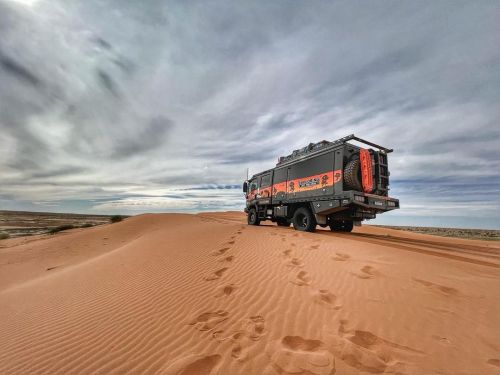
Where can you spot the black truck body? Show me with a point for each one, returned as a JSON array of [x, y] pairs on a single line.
[[335, 184]]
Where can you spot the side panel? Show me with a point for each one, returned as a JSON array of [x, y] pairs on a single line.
[[312, 178]]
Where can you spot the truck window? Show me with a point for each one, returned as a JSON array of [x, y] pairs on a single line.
[[265, 180], [311, 167], [253, 185]]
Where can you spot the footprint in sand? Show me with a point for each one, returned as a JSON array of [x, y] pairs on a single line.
[[442, 340], [367, 272], [216, 275], [254, 327], [445, 290], [228, 258], [194, 364], [367, 352], [287, 253], [209, 320], [241, 340], [493, 362], [220, 251], [231, 242], [297, 355], [294, 262], [302, 278], [225, 290], [341, 257], [314, 247], [326, 298]]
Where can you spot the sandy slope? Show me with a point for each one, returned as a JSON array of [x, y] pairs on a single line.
[[190, 294]]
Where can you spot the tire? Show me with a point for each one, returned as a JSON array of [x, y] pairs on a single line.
[[304, 220], [352, 175], [342, 226], [253, 218], [282, 223]]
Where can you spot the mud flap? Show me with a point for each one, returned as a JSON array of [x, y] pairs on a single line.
[[321, 219]]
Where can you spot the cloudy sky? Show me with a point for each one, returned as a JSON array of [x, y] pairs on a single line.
[[127, 106]]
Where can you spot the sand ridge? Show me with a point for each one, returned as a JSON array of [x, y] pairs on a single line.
[[207, 294]]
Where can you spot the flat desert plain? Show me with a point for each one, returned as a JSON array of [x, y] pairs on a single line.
[[207, 294]]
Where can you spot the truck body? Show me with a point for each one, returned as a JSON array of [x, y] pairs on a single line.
[[335, 184]]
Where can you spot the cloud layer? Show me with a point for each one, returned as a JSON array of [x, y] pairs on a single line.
[[123, 106]]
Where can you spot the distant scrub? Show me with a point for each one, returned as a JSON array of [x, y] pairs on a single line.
[[60, 228], [116, 218], [87, 225], [4, 236]]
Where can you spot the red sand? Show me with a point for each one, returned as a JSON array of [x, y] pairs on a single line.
[[207, 294]]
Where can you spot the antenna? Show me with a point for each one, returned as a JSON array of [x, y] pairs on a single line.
[[247, 173]]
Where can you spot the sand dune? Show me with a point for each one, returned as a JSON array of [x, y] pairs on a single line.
[[207, 294]]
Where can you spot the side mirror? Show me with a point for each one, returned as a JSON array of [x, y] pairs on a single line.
[[245, 186]]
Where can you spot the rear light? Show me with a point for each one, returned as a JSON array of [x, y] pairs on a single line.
[[345, 201], [391, 204], [359, 198]]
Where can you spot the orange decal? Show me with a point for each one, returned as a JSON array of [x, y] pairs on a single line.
[[337, 176]]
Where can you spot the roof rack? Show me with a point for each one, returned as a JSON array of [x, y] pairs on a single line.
[[313, 147]]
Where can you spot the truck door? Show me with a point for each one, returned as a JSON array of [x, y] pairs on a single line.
[[252, 191], [264, 194]]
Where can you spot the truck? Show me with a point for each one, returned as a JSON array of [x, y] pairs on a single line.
[[331, 184]]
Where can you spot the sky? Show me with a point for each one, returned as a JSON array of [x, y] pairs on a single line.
[[126, 107]]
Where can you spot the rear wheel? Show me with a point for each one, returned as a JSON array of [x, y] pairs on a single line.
[[253, 218], [342, 226], [304, 220]]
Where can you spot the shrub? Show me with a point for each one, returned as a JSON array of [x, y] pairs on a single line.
[[87, 225], [60, 228], [4, 236], [116, 218]]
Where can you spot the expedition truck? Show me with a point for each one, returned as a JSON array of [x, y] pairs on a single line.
[[335, 184]]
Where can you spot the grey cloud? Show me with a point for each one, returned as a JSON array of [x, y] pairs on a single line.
[[107, 82], [151, 136], [182, 94], [19, 71]]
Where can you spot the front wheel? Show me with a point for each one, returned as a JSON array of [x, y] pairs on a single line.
[[304, 220], [253, 218], [342, 226]]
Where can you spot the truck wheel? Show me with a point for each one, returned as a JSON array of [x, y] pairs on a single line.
[[304, 220], [283, 223], [253, 218], [342, 226], [352, 175]]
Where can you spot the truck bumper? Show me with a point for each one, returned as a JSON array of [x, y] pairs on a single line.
[[376, 202], [369, 203]]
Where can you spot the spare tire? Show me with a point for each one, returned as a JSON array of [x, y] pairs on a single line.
[[352, 175]]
